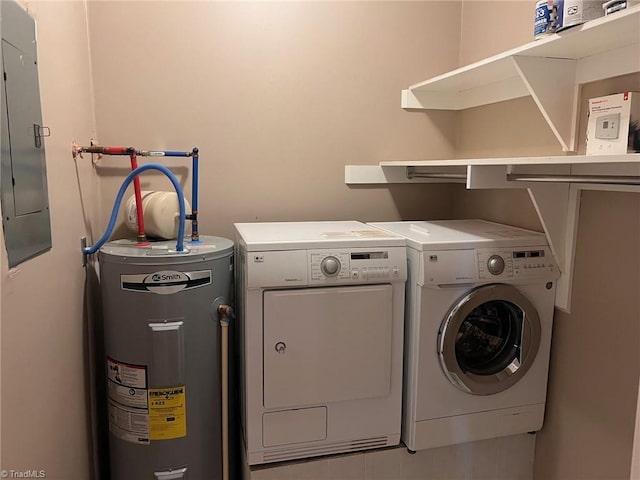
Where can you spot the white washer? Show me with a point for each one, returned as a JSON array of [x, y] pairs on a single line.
[[320, 325], [480, 302]]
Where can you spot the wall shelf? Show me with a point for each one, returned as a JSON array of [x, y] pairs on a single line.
[[557, 203], [550, 70], [492, 172]]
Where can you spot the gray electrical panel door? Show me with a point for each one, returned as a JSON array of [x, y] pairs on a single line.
[[23, 178]]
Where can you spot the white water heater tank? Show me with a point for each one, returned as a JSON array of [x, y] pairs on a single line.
[[160, 211]]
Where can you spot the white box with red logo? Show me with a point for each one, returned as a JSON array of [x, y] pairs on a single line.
[[614, 124]]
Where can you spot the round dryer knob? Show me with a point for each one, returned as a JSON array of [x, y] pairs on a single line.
[[330, 266], [495, 264]]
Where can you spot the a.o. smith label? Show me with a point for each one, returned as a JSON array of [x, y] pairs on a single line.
[[165, 282]]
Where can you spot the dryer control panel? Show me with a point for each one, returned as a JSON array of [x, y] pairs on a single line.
[[350, 266], [372, 265]]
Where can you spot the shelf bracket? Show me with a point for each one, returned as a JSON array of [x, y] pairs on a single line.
[[558, 207], [552, 85]]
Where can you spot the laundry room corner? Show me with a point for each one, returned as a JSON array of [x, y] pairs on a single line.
[[585, 382], [591, 401], [45, 413]]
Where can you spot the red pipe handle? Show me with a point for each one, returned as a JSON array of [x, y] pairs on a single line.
[[142, 238], [116, 150]]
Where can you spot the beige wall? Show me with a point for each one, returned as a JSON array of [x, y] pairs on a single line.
[[504, 129], [490, 27], [590, 436], [593, 380], [279, 97], [44, 415]]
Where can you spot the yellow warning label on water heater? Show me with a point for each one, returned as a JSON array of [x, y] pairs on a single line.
[[167, 413]]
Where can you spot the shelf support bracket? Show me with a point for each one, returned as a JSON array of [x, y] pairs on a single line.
[[558, 207], [552, 85]]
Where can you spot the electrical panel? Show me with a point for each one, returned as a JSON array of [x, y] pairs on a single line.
[[23, 177]]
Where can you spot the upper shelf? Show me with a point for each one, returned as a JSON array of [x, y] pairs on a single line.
[[549, 70]]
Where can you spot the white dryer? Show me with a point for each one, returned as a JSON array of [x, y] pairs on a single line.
[[480, 303], [320, 322]]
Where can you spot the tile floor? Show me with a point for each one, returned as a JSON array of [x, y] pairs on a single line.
[[506, 458]]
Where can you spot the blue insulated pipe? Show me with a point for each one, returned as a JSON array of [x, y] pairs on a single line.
[[116, 206], [195, 236], [162, 153]]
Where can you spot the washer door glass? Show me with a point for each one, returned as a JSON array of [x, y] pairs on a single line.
[[489, 339]]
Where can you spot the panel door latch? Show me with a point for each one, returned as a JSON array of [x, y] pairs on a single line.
[[38, 133]]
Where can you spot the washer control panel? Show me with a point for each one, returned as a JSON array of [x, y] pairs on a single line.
[[535, 261], [375, 265], [528, 261], [494, 263]]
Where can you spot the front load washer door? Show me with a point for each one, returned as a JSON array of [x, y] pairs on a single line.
[[489, 339]]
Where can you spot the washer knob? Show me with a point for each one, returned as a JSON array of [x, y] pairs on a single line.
[[330, 266], [495, 264]]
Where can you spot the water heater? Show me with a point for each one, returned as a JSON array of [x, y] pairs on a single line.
[[162, 345]]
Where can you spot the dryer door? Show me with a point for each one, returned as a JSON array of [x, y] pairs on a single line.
[[324, 345], [489, 339]]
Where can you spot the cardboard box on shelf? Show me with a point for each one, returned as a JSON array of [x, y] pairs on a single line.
[[614, 124]]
